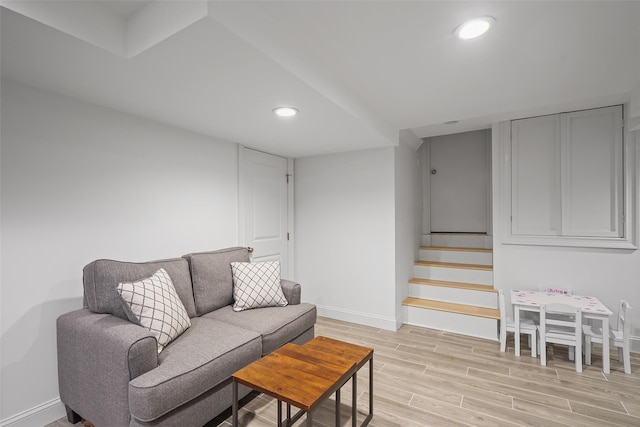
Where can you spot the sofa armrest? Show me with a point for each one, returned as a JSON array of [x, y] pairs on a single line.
[[98, 354], [291, 291]]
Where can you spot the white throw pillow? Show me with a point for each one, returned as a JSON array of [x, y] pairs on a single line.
[[154, 304], [257, 284]]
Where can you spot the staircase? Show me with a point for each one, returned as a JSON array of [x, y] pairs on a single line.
[[452, 289]]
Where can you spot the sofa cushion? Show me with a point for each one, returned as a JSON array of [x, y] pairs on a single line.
[[101, 278], [154, 304], [206, 354], [257, 284], [212, 278], [277, 325]]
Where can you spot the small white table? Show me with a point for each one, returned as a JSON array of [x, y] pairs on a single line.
[[591, 308]]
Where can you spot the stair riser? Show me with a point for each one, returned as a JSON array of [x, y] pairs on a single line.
[[459, 296], [479, 277], [484, 258], [461, 240], [452, 322]]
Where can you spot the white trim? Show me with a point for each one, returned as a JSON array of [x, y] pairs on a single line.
[[633, 189], [489, 148], [241, 220], [401, 319], [388, 323], [40, 415], [426, 186], [290, 219], [502, 133]]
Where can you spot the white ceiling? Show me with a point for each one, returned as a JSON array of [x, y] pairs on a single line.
[[358, 71]]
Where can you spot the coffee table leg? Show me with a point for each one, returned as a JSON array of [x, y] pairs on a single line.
[[309, 419], [354, 399], [337, 407], [279, 413], [370, 390], [234, 404]]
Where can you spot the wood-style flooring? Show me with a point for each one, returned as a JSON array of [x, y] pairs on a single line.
[[425, 377]]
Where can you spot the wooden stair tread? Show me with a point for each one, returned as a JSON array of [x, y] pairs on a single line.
[[454, 265], [471, 310], [454, 248], [457, 285]]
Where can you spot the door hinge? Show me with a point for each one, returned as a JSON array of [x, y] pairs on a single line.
[[288, 175], [287, 236]]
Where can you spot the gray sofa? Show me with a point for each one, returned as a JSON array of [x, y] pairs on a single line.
[[110, 372]]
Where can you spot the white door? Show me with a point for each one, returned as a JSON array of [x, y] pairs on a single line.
[[264, 206], [459, 182]]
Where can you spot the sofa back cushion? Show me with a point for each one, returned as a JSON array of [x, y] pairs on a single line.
[[101, 279], [212, 277]]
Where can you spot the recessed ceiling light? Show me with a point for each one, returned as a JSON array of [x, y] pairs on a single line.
[[475, 27], [285, 111]]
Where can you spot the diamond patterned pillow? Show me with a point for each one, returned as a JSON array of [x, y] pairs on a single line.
[[154, 304], [257, 284]]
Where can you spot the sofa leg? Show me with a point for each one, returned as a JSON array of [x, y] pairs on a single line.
[[72, 417]]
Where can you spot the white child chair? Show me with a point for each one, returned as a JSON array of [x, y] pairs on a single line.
[[619, 337], [556, 291], [527, 326], [564, 326]]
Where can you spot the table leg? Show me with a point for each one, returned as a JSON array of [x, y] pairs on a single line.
[[371, 387], [279, 413], [309, 420], [516, 334], [605, 344], [234, 404], [337, 407], [354, 400], [370, 415]]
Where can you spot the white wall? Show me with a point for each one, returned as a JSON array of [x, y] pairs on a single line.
[[408, 215], [608, 274], [345, 235], [81, 182]]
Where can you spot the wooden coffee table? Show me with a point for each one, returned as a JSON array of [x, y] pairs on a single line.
[[305, 375]]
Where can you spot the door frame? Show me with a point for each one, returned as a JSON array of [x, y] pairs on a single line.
[[290, 273], [425, 160]]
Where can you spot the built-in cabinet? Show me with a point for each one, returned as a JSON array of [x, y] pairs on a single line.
[[566, 179]]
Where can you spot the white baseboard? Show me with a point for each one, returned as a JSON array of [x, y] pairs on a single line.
[[40, 415], [388, 323]]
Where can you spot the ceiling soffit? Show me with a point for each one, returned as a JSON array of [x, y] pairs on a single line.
[[107, 25]]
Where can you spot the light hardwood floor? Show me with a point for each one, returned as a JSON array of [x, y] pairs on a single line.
[[425, 377]]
